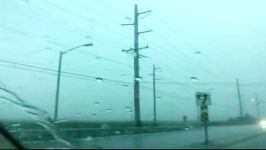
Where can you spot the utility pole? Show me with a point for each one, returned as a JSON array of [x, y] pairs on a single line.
[[136, 63], [154, 96], [239, 99], [58, 86]]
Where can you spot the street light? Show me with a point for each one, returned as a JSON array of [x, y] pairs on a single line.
[[59, 76]]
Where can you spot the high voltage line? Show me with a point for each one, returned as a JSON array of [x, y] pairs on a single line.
[[64, 72], [64, 24], [50, 71], [115, 44]]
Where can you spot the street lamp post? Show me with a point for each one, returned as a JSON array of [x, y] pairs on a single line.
[[59, 77]]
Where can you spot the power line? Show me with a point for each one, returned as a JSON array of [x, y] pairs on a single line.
[[54, 43], [77, 15], [109, 7], [180, 52], [190, 83], [66, 73], [85, 77], [160, 36], [76, 28], [106, 59], [175, 33], [231, 84], [62, 45], [49, 71], [30, 36], [157, 34], [158, 46]]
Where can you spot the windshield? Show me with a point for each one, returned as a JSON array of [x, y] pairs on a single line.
[[133, 74]]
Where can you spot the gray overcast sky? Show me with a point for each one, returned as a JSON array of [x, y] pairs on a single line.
[[228, 33]]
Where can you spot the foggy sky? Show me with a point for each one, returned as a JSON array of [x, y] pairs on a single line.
[[229, 34]]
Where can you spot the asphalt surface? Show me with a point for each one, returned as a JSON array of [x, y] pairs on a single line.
[[220, 137], [258, 142], [245, 136]]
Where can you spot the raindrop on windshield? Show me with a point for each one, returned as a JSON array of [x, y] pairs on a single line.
[[194, 79], [109, 110], [128, 18], [211, 89], [99, 80], [138, 78], [127, 108], [98, 57], [79, 114], [40, 117], [48, 48], [252, 99], [27, 1], [60, 121], [197, 52], [88, 37], [89, 138], [15, 125], [96, 103], [46, 36], [32, 113]]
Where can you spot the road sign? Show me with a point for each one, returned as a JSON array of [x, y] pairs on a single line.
[[203, 98], [205, 118], [204, 113]]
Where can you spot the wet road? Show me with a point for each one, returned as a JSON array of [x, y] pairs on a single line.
[[180, 139], [251, 136], [258, 142]]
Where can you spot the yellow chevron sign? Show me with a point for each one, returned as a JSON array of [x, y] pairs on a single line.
[[204, 113], [204, 117]]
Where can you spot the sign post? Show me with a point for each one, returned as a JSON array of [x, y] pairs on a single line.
[[204, 119], [203, 100], [206, 132]]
